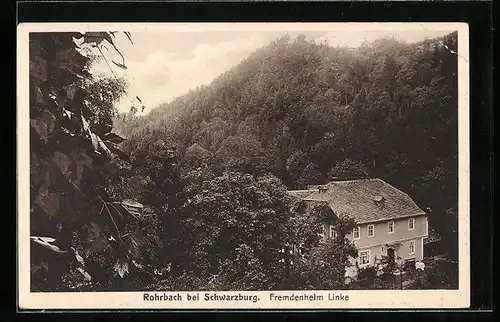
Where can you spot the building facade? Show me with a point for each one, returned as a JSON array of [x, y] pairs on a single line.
[[389, 223]]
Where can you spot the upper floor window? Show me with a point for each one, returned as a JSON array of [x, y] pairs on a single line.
[[411, 223], [364, 257], [390, 227], [426, 226], [333, 232], [371, 230], [412, 247], [355, 233]]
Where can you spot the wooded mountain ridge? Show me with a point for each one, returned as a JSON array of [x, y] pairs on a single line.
[[309, 113]]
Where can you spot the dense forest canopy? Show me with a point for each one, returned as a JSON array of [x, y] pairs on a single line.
[[309, 112]]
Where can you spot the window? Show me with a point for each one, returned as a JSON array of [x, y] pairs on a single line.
[[355, 233], [333, 233], [364, 257], [411, 223], [390, 227], [426, 226], [412, 247], [371, 230]]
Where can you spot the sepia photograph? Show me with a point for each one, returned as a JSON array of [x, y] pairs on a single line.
[[232, 165]]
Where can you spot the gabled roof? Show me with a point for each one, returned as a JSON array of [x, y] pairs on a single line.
[[300, 194], [366, 200]]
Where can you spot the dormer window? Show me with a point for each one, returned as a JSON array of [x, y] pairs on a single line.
[[379, 200]]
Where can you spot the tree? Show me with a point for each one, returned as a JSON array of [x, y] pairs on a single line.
[[240, 154], [232, 228], [296, 164], [310, 175], [322, 265], [348, 169], [196, 155], [80, 236], [101, 95]]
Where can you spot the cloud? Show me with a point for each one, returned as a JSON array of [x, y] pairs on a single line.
[[356, 38], [162, 76], [162, 67]]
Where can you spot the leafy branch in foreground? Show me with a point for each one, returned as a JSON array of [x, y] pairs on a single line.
[[76, 227]]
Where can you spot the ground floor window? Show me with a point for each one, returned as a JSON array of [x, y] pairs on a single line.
[[364, 257], [412, 247], [333, 232]]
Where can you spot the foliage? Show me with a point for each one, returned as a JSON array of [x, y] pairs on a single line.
[[323, 267], [322, 262], [438, 274], [366, 276], [348, 170], [231, 227], [310, 175], [81, 236], [296, 164]]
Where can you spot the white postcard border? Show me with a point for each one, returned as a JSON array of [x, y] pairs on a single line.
[[373, 299]]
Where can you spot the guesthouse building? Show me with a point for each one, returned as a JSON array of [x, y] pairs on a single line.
[[388, 222]]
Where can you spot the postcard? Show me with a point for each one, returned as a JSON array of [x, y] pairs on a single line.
[[243, 166]]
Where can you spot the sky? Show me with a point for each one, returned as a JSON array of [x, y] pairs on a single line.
[[162, 65]]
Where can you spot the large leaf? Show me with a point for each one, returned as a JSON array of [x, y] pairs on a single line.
[[39, 96], [85, 125], [78, 257], [116, 150], [136, 242], [132, 207], [95, 142], [113, 137], [46, 243], [40, 128], [44, 125], [86, 275], [81, 160], [49, 203], [97, 239], [71, 91], [95, 37], [132, 203], [103, 146], [35, 268], [38, 68], [63, 162], [121, 267]]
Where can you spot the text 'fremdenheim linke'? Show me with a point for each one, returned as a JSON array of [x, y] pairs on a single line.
[[207, 297]]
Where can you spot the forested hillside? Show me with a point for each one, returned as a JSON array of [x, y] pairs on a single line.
[[309, 112]]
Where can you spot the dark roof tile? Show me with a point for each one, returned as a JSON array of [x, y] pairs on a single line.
[[366, 200]]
